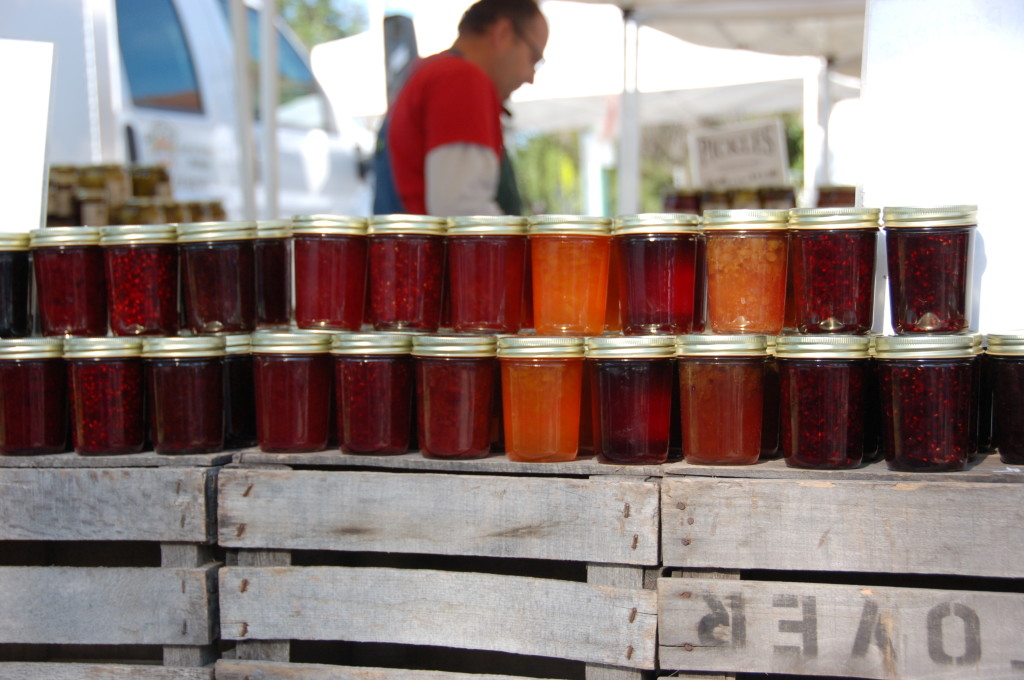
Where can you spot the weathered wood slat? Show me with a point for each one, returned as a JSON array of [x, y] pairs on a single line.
[[592, 520], [122, 606], [541, 617], [126, 504], [266, 670], [840, 630], [147, 459], [83, 671], [946, 527]]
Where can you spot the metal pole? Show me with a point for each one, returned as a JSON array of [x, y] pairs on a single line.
[[629, 121], [268, 108], [243, 117]]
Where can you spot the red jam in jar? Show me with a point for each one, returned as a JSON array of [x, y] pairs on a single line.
[[14, 285], [832, 269], [373, 374], [1005, 364], [272, 264], [406, 260], [330, 271], [106, 382], [929, 253], [292, 372], [656, 258], [823, 385], [486, 264], [142, 278], [455, 388], [239, 392], [218, 272], [70, 283], [33, 396], [185, 388]]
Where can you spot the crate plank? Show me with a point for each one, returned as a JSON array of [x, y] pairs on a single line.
[[122, 606], [74, 671], [592, 520], [520, 615], [266, 670], [127, 504], [893, 527], [146, 459], [839, 630]]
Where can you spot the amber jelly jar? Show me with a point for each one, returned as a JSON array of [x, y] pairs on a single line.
[[1005, 363], [292, 372], [272, 265], [330, 271], [486, 265], [106, 382], [141, 263], [406, 272], [70, 284], [185, 388], [373, 374], [929, 253], [832, 268], [455, 389], [33, 396], [218, 276], [925, 383], [239, 392], [14, 285]]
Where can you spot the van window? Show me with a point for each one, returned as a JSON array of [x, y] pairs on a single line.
[[156, 56]]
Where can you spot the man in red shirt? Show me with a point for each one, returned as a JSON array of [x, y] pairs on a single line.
[[440, 150]]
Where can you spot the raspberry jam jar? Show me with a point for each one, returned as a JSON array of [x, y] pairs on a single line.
[[239, 392], [925, 383], [823, 393], [330, 271], [746, 270], [1005, 364], [721, 397], [373, 381], [70, 283], [656, 262], [929, 253], [185, 391], [107, 387], [14, 285], [455, 390], [832, 268], [292, 372], [541, 382], [486, 265], [33, 396], [141, 263], [272, 265], [218, 276], [570, 258], [632, 397], [406, 260]]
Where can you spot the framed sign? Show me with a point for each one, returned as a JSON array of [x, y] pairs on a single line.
[[748, 155]]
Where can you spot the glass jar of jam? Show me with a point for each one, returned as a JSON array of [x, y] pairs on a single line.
[[721, 397], [541, 382], [929, 253], [570, 257], [486, 264], [823, 382], [632, 397], [832, 268], [14, 280], [330, 271], [746, 270], [272, 265], [656, 257], [185, 392], [106, 383], [455, 389], [1005, 363], [239, 392], [292, 372], [33, 396], [142, 278], [925, 386], [218, 273], [373, 380], [771, 413], [70, 284], [406, 261]]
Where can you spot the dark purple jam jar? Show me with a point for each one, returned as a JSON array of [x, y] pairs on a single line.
[[141, 263], [70, 282], [107, 387], [218, 273], [406, 260], [1005, 363], [14, 285], [273, 270], [330, 271], [33, 396], [239, 392]]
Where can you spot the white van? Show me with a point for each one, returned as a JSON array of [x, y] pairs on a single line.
[[151, 82]]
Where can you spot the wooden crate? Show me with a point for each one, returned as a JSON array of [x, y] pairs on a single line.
[[429, 557], [108, 562], [863, 573]]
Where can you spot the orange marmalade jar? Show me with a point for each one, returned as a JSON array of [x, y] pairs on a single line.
[[746, 270], [570, 256]]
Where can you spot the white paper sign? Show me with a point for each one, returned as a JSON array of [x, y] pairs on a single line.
[[25, 81], [748, 155]]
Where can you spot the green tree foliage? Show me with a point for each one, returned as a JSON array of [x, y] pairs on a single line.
[[318, 21], [547, 168]]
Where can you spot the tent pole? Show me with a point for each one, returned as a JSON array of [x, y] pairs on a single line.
[[629, 121], [268, 108], [815, 113], [243, 102]]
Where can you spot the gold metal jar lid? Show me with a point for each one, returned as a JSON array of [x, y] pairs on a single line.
[[656, 223], [1006, 344], [64, 236], [182, 347], [290, 342], [631, 347], [427, 225], [487, 225], [937, 216], [273, 228], [236, 343], [329, 224], [696, 345], [540, 347], [12, 241], [120, 347], [371, 343], [834, 218], [31, 348], [822, 346], [138, 234], [202, 232], [571, 225], [454, 345], [746, 220], [924, 346]]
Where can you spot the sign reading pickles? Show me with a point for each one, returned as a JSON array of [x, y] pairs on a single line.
[[748, 155]]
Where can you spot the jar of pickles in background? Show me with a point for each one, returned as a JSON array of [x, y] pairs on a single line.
[[406, 260], [14, 285], [141, 264], [1005, 363], [106, 384], [273, 269], [486, 265], [33, 396], [330, 271], [218, 271], [70, 284]]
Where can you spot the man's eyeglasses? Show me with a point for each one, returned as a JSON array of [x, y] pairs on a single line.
[[535, 52]]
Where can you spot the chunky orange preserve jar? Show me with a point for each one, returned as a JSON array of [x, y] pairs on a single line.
[[570, 256], [746, 270], [541, 380]]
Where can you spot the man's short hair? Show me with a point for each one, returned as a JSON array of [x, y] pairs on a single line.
[[484, 13]]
